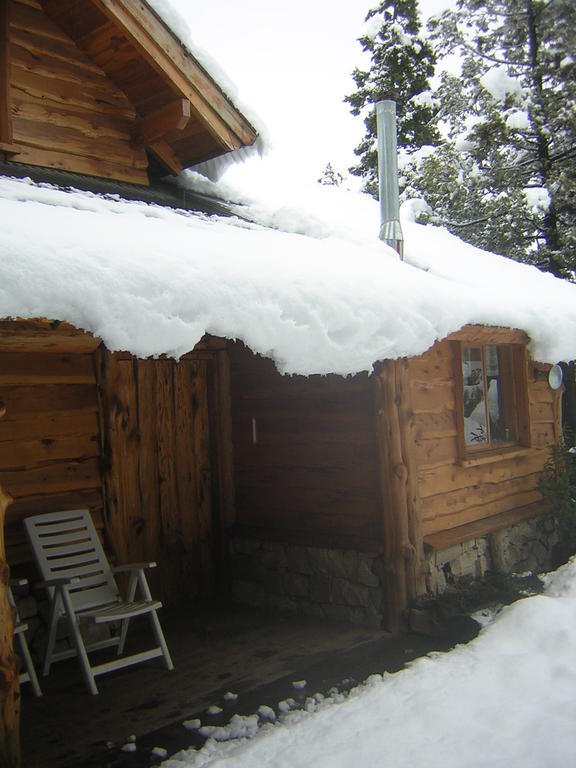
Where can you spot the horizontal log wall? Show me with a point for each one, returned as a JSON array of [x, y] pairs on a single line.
[[454, 492], [305, 453], [66, 113], [49, 439], [162, 480]]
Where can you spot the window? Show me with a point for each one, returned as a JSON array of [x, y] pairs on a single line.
[[493, 402]]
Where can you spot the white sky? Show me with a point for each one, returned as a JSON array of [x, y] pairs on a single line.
[[292, 62]]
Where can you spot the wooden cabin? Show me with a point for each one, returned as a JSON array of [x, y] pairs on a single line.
[[338, 497]]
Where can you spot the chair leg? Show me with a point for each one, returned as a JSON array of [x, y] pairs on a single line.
[[52, 634], [123, 633], [29, 665], [159, 635], [130, 597], [80, 647]]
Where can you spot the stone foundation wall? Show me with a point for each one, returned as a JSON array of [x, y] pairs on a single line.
[[519, 549], [311, 581]]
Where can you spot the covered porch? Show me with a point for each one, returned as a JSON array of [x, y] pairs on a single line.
[[251, 653]]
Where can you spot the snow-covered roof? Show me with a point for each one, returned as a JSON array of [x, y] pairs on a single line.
[[180, 28], [322, 295]]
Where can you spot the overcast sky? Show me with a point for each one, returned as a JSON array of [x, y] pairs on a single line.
[[291, 61]]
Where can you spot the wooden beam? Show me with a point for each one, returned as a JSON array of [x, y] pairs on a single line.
[[41, 335], [158, 45], [164, 152], [403, 544], [172, 117], [478, 528], [485, 334], [5, 69], [8, 148]]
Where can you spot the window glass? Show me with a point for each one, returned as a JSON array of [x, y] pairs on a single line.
[[475, 423], [488, 398]]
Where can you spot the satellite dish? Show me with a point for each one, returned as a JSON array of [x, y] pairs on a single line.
[[555, 377]]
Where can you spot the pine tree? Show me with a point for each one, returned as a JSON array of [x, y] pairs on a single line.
[[401, 64], [330, 177], [505, 176]]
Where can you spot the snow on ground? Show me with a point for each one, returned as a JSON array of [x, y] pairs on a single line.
[[306, 282], [505, 700]]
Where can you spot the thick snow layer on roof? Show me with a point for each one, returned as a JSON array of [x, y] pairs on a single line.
[[151, 280]]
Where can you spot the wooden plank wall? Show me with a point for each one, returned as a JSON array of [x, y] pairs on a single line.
[[49, 439], [454, 493], [66, 113], [306, 455], [161, 468]]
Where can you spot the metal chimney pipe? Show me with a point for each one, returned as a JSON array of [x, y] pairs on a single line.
[[390, 229]]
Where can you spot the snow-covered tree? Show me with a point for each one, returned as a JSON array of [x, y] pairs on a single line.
[[402, 63], [330, 177], [505, 176]]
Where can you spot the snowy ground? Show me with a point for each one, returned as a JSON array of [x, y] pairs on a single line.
[[506, 699]]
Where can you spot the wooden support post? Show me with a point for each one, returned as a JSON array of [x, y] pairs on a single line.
[[415, 561], [223, 458], [166, 155], [9, 683], [403, 546], [5, 67], [167, 119]]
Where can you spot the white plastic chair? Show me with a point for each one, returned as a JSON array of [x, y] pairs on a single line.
[[82, 589], [20, 627]]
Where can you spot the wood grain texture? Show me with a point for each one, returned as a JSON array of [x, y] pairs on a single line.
[[45, 336], [454, 491], [65, 112], [305, 451], [128, 42], [400, 492], [49, 438], [6, 134], [159, 469]]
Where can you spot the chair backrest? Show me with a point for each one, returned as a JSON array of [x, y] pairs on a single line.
[[66, 545]]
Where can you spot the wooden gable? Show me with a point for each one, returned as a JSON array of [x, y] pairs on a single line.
[[96, 87]]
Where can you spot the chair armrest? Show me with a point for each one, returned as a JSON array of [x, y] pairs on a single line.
[[17, 582], [62, 581], [133, 567]]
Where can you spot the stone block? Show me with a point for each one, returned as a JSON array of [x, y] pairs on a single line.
[[272, 582], [244, 546], [281, 603], [273, 556], [448, 555], [322, 560], [374, 617], [298, 560], [347, 593], [520, 548], [248, 593], [315, 610], [365, 573], [242, 566], [320, 588], [345, 613], [296, 584]]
